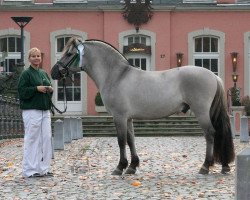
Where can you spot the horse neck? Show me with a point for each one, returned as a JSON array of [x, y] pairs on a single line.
[[104, 69]]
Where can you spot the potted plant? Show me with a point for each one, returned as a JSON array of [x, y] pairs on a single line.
[[246, 103], [99, 106], [235, 96]]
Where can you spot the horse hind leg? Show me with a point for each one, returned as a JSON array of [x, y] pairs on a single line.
[[209, 158], [209, 131], [131, 143]]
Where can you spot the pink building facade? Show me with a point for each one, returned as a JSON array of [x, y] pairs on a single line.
[[205, 35]]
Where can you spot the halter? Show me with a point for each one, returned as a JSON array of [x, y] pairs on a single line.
[[64, 65]]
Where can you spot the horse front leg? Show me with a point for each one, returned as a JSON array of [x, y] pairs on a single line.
[[121, 129], [131, 143], [209, 159]]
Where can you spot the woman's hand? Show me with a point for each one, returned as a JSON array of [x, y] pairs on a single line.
[[44, 89]]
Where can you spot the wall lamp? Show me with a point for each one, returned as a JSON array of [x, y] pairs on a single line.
[[234, 56], [179, 57]]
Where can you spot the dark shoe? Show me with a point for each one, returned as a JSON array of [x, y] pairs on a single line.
[[35, 175], [49, 174]]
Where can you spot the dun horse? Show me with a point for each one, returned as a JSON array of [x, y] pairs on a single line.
[[129, 93]]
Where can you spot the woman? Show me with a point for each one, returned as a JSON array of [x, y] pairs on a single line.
[[35, 92]]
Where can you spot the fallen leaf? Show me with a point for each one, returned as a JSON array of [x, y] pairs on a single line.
[[136, 183], [10, 164]]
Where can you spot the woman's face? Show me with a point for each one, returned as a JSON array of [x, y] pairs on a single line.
[[35, 59]]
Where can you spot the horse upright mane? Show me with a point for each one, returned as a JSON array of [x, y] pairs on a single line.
[[109, 46], [75, 40]]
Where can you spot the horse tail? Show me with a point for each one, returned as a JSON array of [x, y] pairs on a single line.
[[223, 140]]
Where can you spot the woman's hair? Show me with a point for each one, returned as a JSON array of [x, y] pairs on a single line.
[[33, 50]]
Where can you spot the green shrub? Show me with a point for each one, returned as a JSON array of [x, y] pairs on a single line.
[[235, 96], [98, 99]]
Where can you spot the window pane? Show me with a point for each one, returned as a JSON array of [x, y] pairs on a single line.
[[137, 62], [143, 40], [214, 65], [60, 44], [18, 44], [12, 65], [77, 94], [214, 45], [68, 81], [198, 62], [137, 39], [206, 63], [131, 62], [143, 64], [60, 83], [66, 40], [130, 40], [198, 45], [3, 44], [69, 94], [11, 44], [60, 96], [77, 79], [206, 44]]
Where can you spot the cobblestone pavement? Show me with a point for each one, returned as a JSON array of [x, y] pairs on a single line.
[[168, 170]]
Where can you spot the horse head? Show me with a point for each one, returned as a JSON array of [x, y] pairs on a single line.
[[71, 60]]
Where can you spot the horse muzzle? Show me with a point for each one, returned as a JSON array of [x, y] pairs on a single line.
[[58, 72]]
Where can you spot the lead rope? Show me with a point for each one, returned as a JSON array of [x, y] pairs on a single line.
[[53, 107]]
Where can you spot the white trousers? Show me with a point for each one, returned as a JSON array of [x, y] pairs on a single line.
[[37, 142]]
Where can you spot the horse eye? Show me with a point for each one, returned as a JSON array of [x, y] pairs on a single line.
[[69, 54]]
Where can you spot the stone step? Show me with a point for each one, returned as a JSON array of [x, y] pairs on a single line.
[[174, 125], [169, 126]]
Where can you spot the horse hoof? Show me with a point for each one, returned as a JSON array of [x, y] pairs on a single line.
[[117, 172], [203, 170], [130, 171], [225, 170]]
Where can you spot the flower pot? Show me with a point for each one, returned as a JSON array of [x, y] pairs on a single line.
[[100, 109]]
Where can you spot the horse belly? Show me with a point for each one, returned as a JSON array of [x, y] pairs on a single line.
[[157, 107]]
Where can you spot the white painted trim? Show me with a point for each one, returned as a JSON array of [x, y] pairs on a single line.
[[221, 40], [246, 63]]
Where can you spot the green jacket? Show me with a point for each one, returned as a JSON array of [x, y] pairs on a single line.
[[29, 96]]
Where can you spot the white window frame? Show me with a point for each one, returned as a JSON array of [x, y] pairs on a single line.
[[221, 48], [16, 33], [143, 32], [73, 106], [207, 55]]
